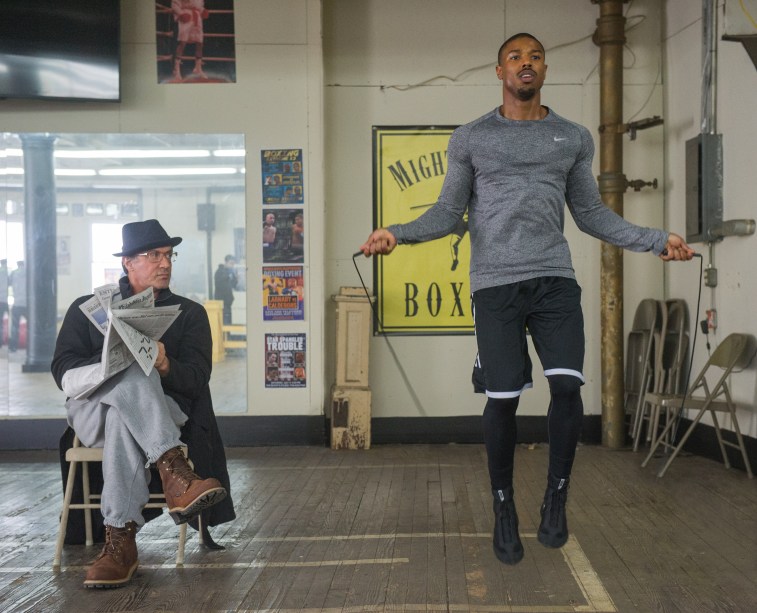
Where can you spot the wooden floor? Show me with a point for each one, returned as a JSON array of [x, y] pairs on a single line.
[[407, 528]]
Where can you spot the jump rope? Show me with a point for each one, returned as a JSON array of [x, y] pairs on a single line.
[[674, 430], [417, 401], [403, 374]]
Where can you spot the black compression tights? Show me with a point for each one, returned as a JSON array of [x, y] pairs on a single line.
[[564, 418], [563, 425], [500, 436]]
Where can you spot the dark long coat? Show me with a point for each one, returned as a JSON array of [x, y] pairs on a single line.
[[188, 346]]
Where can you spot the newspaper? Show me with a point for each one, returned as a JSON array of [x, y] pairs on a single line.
[[130, 326]]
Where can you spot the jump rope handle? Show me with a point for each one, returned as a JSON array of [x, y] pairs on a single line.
[[665, 252]]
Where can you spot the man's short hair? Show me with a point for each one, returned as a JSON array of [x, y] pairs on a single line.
[[512, 38], [229, 258]]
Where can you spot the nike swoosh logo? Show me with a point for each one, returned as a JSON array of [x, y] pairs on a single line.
[[557, 140]]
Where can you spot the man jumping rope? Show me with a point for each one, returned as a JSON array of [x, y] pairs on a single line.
[[513, 170]]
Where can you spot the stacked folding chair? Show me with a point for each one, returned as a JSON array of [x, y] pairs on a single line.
[[709, 393], [642, 338], [665, 365], [672, 362]]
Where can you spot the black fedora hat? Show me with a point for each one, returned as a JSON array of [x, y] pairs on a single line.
[[144, 235]]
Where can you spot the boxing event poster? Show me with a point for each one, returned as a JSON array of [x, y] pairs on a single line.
[[195, 41], [423, 288], [282, 176], [283, 235], [283, 293], [285, 360]]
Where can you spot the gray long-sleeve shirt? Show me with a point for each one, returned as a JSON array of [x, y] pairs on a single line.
[[514, 179]]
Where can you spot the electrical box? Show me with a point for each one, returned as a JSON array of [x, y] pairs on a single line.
[[704, 187]]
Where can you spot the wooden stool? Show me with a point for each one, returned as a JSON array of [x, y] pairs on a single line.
[[84, 455]]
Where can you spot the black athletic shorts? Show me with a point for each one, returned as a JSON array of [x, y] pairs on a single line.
[[549, 308]]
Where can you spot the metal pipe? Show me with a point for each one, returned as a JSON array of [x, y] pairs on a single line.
[[709, 65], [610, 36]]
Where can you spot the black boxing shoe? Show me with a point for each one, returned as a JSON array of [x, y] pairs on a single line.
[[506, 540], [553, 529]]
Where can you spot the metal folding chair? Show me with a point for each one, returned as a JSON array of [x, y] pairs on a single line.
[[736, 351], [671, 351], [642, 338]]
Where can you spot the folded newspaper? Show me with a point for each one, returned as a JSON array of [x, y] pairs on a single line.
[[130, 326]]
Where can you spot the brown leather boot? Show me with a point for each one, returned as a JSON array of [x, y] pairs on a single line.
[[186, 493], [117, 561]]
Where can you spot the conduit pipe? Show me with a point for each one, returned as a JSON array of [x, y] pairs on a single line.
[[610, 37]]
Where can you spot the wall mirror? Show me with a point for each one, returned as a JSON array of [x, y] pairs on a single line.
[[65, 198]]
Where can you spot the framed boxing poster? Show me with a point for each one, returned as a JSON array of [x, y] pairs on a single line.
[[423, 288], [195, 41]]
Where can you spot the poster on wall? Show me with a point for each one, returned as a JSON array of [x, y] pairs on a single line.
[[424, 288], [281, 171], [283, 235], [195, 41], [285, 360], [283, 293]]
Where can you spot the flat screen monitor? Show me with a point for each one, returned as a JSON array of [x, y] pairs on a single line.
[[61, 49]]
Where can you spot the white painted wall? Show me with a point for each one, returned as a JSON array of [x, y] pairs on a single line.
[[366, 46], [372, 45], [735, 296]]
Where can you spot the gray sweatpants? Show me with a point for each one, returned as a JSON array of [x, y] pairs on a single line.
[[135, 423]]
